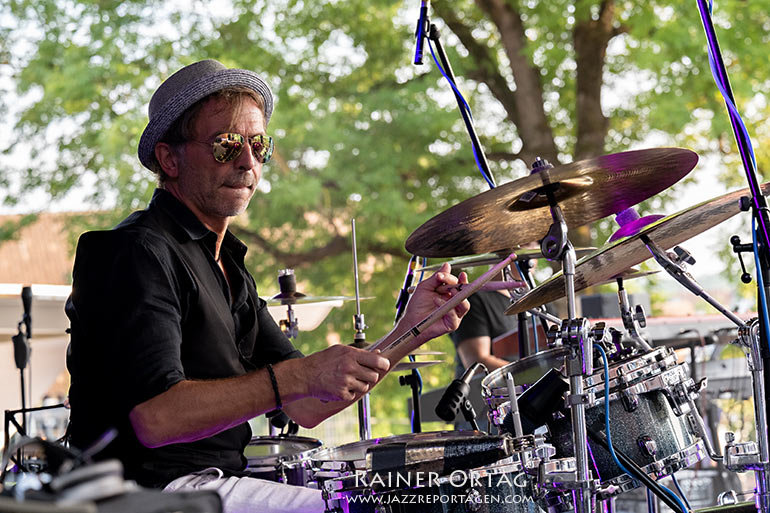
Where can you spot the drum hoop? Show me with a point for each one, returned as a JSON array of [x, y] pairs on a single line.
[[630, 369], [499, 374], [679, 373], [687, 457], [324, 459], [282, 458]]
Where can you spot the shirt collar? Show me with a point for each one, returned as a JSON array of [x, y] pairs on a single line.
[[191, 225]]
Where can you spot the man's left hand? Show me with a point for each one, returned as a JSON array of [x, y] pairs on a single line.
[[431, 294]]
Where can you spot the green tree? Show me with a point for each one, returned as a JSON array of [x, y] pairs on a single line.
[[362, 133]]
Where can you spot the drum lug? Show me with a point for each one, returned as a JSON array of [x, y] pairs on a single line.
[[648, 446], [679, 398], [474, 500], [630, 401]]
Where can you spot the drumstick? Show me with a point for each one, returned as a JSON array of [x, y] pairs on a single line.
[[492, 285], [441, 311]]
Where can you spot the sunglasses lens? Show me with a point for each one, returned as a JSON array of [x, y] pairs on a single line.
[[262, 146], [227, 147]]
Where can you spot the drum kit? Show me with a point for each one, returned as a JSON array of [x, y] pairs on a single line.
[[599, 412]]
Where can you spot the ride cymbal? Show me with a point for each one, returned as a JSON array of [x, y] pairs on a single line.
[[495, 258], [611, 260], [518, 212]]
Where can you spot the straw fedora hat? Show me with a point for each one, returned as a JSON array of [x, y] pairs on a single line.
[[185, 87]]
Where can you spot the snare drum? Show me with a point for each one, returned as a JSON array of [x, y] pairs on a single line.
[[651, 417], [284, 459], [341, 474]]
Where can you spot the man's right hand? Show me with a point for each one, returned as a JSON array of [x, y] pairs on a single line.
[[341, 373]]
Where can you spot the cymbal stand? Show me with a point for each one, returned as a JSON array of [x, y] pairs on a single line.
[[522, 318], [632, 321], [738, 457], [575, 334], [525, 272], [674, 265], [755, 456], [760, 213], [545, 316], [287, 283], [359, 340], [413, 380]]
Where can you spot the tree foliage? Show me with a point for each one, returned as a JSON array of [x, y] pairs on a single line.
[[361, 132]]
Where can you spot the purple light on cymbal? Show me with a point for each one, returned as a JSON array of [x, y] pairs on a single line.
[[631, 223]]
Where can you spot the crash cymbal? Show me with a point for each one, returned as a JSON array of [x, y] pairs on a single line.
[[302, 299], [517, 212], [494, 258], [618, 256], [407, 366]]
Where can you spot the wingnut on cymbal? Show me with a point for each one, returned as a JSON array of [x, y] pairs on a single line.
[[518, 212], [615, 258]]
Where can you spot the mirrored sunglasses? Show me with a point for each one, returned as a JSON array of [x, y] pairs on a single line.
[[228, 146]]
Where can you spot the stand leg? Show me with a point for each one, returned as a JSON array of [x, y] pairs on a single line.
[[364, 420], [413, 381], [581, 497]]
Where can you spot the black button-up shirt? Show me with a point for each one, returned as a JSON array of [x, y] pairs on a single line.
[[149, 308]]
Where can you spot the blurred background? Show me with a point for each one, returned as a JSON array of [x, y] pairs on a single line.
[[362, 133]]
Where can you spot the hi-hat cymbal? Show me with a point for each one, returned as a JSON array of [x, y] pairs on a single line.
[[517, 212], [420, 352], [301, 299], [495, 258], [613, 259], [407, 366]]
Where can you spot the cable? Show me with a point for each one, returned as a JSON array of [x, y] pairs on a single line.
[[761, 283], [679, 490], [650, 501], [723, 90], [464, 105], [641, 476]]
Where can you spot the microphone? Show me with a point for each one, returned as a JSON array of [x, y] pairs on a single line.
[[21, 350], [422, 28], [456, 394], [26, 300]]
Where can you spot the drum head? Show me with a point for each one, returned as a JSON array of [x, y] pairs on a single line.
[[271, 450], [525, 371]]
